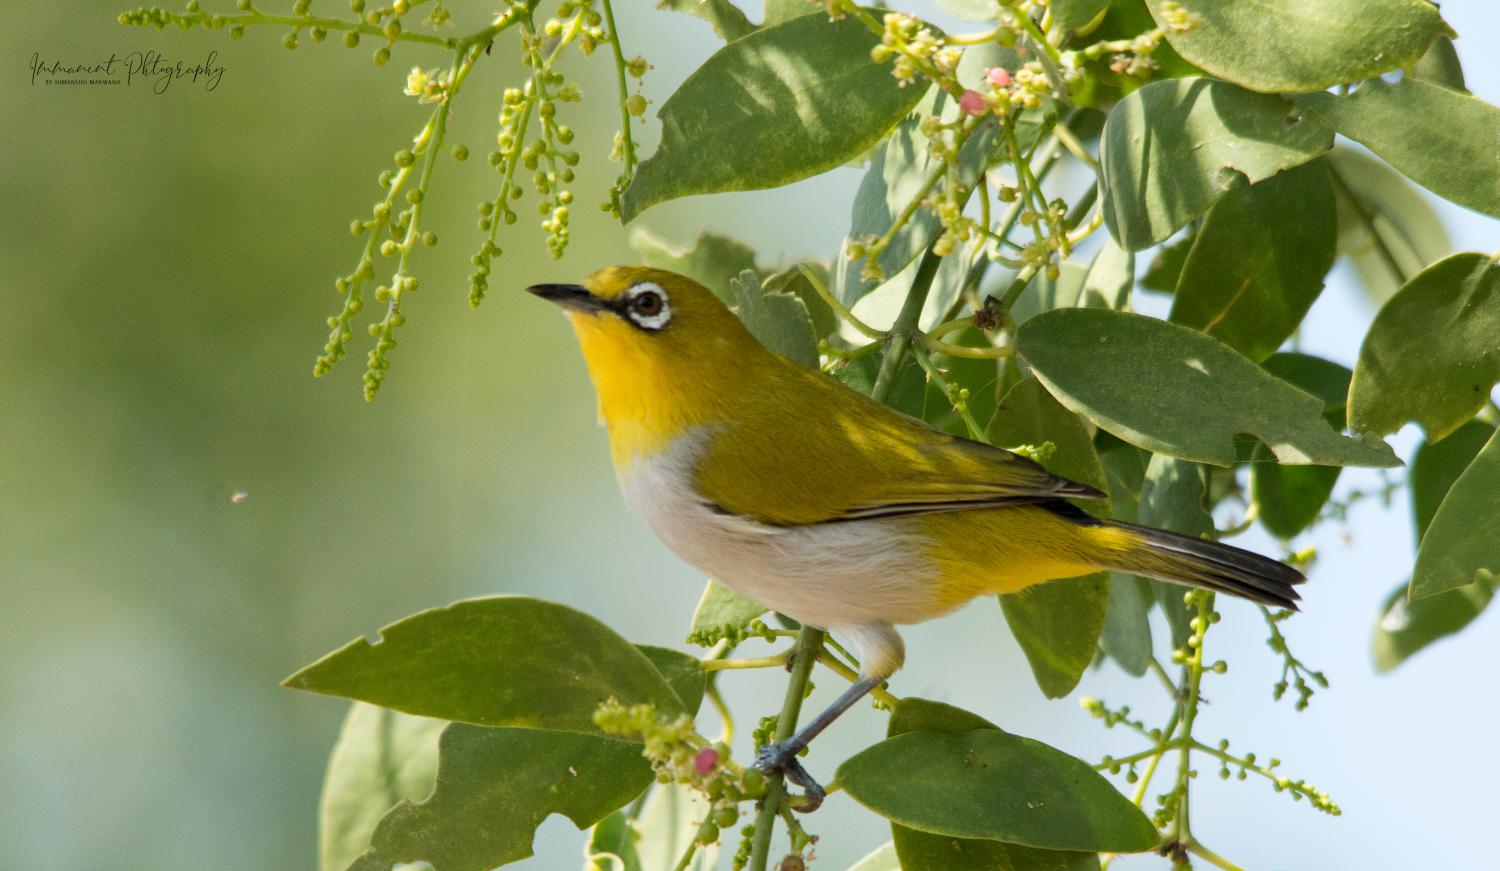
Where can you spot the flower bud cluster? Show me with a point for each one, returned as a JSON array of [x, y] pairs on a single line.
[[678, 754], [734, 635]]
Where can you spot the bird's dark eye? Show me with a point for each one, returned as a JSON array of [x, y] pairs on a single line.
[[647, 303]]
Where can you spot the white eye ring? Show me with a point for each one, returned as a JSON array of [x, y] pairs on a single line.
[[646, 305]]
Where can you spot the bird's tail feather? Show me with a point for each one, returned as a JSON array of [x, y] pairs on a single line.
[[1213, 566]]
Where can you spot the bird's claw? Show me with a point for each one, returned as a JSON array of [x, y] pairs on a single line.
[[782, 757]]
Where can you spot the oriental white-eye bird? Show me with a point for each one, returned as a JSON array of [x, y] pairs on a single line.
[[816, 501]]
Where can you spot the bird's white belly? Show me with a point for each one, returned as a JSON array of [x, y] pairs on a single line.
[[831, 575]]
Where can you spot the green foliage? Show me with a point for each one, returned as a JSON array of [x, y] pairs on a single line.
[[1387, 227], [1258, 260], [989, 784], [546, 666], [779, 320], [785, 102], [1289, 46], [923, 851], [382, 758], [1439, 138], [1175, 391], [1406, 627], [728, 22], [721, 610], [1173, 148], [495, 786], [1454, 553], [1431, 355], [1289, 498]]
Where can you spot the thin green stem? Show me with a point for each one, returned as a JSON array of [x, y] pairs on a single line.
[[809, 641], [906, 325], [622, 88], [776, 661], [1210, 856], [827, 296], [687, 856], [1368, 220]]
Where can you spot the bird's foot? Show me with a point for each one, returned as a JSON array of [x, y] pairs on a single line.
[[782, 756]]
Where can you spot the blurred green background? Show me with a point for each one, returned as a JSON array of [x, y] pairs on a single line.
[[168, 261]]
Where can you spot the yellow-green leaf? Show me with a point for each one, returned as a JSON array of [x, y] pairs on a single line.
[[1433, 353], [1462, 544]]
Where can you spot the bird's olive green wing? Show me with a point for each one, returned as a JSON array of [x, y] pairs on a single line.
[[851, 458]]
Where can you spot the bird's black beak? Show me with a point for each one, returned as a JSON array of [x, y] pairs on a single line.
[[573, 296]]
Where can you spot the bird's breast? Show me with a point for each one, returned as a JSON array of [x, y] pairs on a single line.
[[830, 575]]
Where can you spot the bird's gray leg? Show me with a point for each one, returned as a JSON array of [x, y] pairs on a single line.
[[783, 754]]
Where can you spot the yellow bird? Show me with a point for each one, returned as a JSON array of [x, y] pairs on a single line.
[[814, 500]]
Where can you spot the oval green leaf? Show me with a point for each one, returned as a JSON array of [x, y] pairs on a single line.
[[382, 758], [991, 785], [1172, 148], [1289, 498], [1406, 627], [1175, 391], [1460, 546], [781, 104], [1258, 261], [499, 661], [495, 786], [1440, 138], [1388, 227], [1433, 352], [1291, 46]]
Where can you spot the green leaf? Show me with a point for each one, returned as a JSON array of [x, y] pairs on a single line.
[[781, 104], [611, 845], [1407, 627], [1057, 624], [1440, 65], [1404, 222], [720, 609], [381, 758], [728, 22], [778, 11], [779, 320], [683, 673], [1172, 148], [896, 177], [1431, 355], [923, 851], [1072, 16], [1287, 46], [1436, 465], [1442, 139], [825, 322], [495, 786], [883, 859], [1288, 498], [1172, 498], [1258, 261], [498, 661], [712, 261], [1175, 391], [1126, 637], [990, 785], [669, 823], [1460, 546], [1110, 278]]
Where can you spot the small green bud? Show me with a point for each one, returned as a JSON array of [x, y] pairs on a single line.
[[403, 158], [401, 7], [708, 833], [237, 32], [318, 34], [357, 227], [289, 41], [754, 782], [388, 248], [351, 39], [382, 56], [245, 5], [725, 817], [460, 152], [356, 6], [392, 29], [414, 196], [635, 104], [429, 238]]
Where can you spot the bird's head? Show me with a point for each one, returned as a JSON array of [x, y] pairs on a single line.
[[660, 346]]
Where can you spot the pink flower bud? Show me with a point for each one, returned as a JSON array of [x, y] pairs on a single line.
[[706, 760], [971, 103], [998, 76]]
